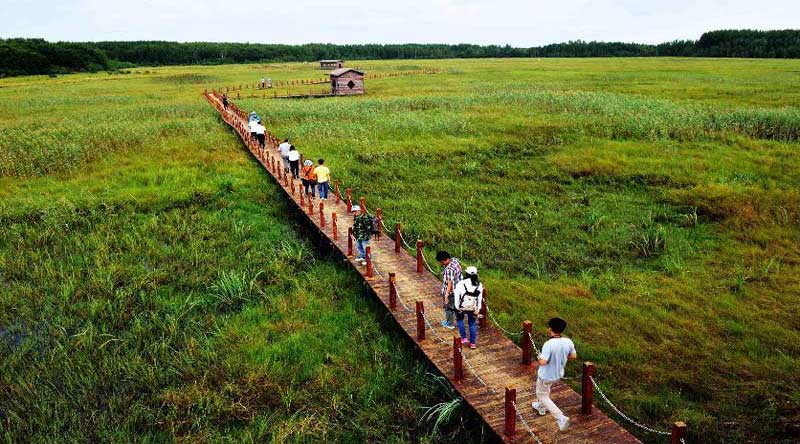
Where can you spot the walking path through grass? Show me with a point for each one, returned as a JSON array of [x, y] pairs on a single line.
[[494, 365]]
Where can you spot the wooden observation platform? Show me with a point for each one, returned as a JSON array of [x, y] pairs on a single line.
[[497, 379]]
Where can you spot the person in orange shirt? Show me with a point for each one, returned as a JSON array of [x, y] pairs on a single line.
[[309, 178]]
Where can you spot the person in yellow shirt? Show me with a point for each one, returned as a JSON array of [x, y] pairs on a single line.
[[323, 177]]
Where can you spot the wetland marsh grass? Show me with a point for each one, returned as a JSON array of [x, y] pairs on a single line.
[[154, 291]]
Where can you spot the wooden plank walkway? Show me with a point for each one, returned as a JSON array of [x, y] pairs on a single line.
[[495, 365]]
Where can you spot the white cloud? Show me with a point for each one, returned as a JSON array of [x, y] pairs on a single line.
[[516, 22]]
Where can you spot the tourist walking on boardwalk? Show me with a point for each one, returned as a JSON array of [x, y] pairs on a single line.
[[552, 360], [225, 101], [260, 133], [284, 149], [468, 300], [362, 231], [251, 124], [323, 177], [308, 178], [294, 162], [451, 275]]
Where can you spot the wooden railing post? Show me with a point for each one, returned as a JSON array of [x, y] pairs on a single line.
[[420, 321], [527, 342], [678, 432], [379, 215], [419, 256], [291, 185], [338, 194], [587, 390], [334, 226], [302, 196], [392, 291], [349, 241], [397, 238], [322, 214], [483, 316], [363, 203], [349, 193], [458, 359], [510, 428], [310, 207], [369, 261]]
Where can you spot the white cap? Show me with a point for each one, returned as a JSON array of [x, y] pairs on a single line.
[[472, 270], [355, 208]]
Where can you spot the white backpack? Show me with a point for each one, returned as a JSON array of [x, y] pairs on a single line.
[[469, 300]]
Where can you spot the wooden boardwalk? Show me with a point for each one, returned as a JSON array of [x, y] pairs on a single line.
[[497, 362]]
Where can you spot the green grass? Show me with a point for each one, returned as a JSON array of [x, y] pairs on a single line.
[[155, 291], [653, 203]]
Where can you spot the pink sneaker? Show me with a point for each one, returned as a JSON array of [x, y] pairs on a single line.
[[473, 346], [464, 340]]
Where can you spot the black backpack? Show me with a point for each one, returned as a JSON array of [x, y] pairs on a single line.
[[375, 225]]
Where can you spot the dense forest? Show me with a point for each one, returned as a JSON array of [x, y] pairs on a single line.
[[36, 56]]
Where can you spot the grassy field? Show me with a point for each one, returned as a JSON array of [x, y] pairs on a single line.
[[154, 290]]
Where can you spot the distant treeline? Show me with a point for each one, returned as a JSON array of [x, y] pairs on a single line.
[[36, 56]]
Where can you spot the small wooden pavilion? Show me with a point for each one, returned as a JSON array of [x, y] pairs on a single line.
[[346, 82], [331, 64]]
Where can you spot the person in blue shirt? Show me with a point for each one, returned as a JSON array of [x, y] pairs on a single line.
[[552, 360]]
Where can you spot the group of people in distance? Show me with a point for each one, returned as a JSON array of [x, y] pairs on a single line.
[[311, 176], [462, 295]]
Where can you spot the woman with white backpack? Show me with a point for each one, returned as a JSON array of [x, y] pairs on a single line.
[[468, 300]]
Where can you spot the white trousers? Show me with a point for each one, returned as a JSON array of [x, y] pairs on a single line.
[[543, 396]]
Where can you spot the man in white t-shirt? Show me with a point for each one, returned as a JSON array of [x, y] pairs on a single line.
[[552, 360], [252, 125], [260, 133], [284, 149]]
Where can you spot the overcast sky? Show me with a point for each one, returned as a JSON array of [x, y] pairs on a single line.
[[514, 22]]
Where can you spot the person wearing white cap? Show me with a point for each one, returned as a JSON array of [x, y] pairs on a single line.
[[362, 231], [468, 300], [309, 178]]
